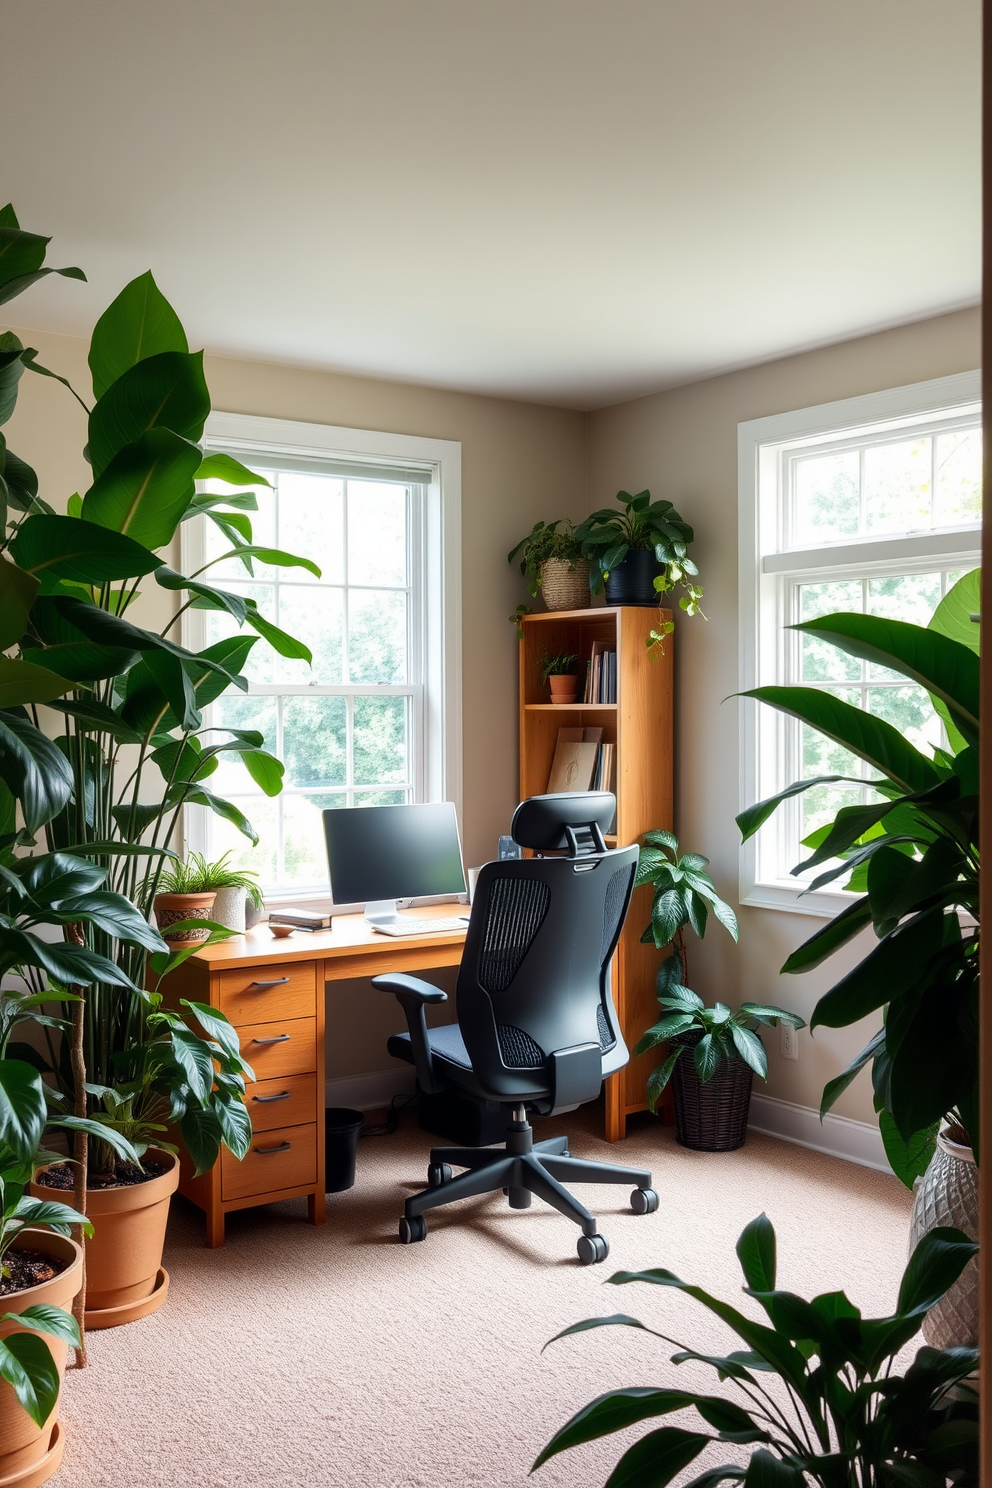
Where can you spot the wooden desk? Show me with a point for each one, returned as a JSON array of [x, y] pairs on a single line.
[[273, 992]]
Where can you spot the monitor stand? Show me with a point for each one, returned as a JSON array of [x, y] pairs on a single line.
[[382, 912]]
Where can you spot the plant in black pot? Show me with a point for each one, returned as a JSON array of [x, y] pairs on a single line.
[[712, 1091], [639, 553]]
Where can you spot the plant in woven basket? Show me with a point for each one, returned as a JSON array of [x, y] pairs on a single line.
[[546, 540], [844, 1419]]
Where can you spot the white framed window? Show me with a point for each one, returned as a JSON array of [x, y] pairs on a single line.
[[870, 504], [376, 718]]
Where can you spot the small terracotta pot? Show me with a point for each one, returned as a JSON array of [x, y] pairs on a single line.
[[563, 689], [171, 908], [29, 1454], [125, 1278]]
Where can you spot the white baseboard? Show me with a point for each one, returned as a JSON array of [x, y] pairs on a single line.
[[857, 1141], [369, 1092]]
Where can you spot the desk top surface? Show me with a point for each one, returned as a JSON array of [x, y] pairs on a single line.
[[349, 935]]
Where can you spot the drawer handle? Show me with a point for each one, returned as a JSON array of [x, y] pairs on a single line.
[[279, 1038], [264, 1100], [268, 1151], [276, 982]]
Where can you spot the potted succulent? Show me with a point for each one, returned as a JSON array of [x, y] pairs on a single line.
[[560, 674], [840, 1417], [552, 561], [912, 859], [712, 1091], [640, 552]]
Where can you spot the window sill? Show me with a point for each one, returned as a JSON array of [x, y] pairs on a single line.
[[787, 895]]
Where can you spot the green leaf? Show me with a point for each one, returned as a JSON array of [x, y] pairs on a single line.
[[755, 816], [217, 1027], [657, 1458], [766, 1471], [194, 1055], [268, 555], [836, 1087], [51, 1212], [139, 323], [226, 809], [661, 837], [226, 468], [167, 391], [145, 489], [100, 1130], [70, 548], [53, 1321], [202, 1134], [907, 1159], [279, 640], [69, 651], [235, 1125], [22, 1106], [890, 969], [751, 1050], [27, 1365], [93, 717], [706, 1056], [115, 916], [25, 682], [658, 1080], [952, 617], [872, 739], [842, 928], [236, 605], [17, 591], [669, 912], [266, 771], [756, 1253], [933, 1268], [665, 1029], [33, 769]]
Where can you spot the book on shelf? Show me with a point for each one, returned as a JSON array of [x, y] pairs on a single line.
[[582, 761], [601, 674]]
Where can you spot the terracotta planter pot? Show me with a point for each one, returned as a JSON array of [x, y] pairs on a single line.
[[125, 1278], [947, 1194], [29, 1454], [563, 689], [564, 587], [171, 908]]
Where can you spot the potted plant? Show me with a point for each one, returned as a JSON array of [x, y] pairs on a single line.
[[841, 1416], [194, 896], [560, 674], [712, 1092], [640, 552], [552, 562], [912, 858]]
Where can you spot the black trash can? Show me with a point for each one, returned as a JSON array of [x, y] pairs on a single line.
[[343, 1129]]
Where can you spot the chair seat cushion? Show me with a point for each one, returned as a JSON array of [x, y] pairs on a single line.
[[447, 1045]]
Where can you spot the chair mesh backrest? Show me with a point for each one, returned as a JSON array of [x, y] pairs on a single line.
[[616, 898], [516, 909]]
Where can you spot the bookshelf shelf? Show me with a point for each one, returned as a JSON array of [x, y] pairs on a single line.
[[639, 726]]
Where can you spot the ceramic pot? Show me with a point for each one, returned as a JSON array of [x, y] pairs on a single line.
[[564, 587], [710, 1116], [229, 909], [632, 581], [30, 1454], [253, 913], [947, 1194], [563, 689], [125, 1278], [171, 908]]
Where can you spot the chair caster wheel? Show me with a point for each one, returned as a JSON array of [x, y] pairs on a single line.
[[412, 1230], [437, 1174], [644, 1201], [592, 1249]]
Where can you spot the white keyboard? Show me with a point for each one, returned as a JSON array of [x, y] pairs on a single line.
[[407, 925]]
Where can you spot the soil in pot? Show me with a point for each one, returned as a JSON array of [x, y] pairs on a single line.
[[61, 1175], [710, 1116], [124, 1274], [29, 1455], [29, 1268]]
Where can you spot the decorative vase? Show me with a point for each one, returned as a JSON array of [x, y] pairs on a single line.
[[30, 1454], [632, 581], [565, 586], [947, 1194], [710, 1116], [125, 1278], [229, 909], [253, 913], [563, 689], [170, 909]]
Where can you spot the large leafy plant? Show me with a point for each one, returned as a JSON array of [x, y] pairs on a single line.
[[124, 702], [841, 1418], [607, 536], [913, 857]]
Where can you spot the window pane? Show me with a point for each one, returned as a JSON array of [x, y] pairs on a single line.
[[381, 742], [239, 711], [262, 812], [910, 710], [311, 523], [316, 617], [377, 635], [897, 486], [315, 748], [819, 806], [376, 533], [822, 662], [304, 853], [959, 478], [262, 660], [263, 535], [826, 497], [382, 798], [909, 597]]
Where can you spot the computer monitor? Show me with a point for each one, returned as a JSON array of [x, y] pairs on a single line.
[[378, 854]]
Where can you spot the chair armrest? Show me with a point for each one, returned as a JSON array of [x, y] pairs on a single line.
[[413, 996]]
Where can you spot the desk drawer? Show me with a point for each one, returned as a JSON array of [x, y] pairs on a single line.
[[283, 1158], [288, 990], [288, 1102], [282, 1047]]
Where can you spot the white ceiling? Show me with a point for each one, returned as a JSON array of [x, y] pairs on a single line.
[[575, 201]]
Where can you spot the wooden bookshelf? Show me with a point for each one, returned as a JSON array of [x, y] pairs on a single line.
[[639, 723]]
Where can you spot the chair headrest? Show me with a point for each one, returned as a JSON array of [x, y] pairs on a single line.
[[542, 822]]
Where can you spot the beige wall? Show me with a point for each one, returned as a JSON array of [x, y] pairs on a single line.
[[683, 445]]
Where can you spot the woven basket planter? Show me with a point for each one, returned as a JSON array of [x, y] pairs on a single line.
[[710, 1117], [563, 587]]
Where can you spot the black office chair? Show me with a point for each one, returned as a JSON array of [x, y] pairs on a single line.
[[536, 1023]]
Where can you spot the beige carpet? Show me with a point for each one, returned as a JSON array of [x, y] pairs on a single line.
[[336, 1358]]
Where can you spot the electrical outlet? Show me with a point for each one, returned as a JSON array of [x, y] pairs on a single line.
[[788, 1040]]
